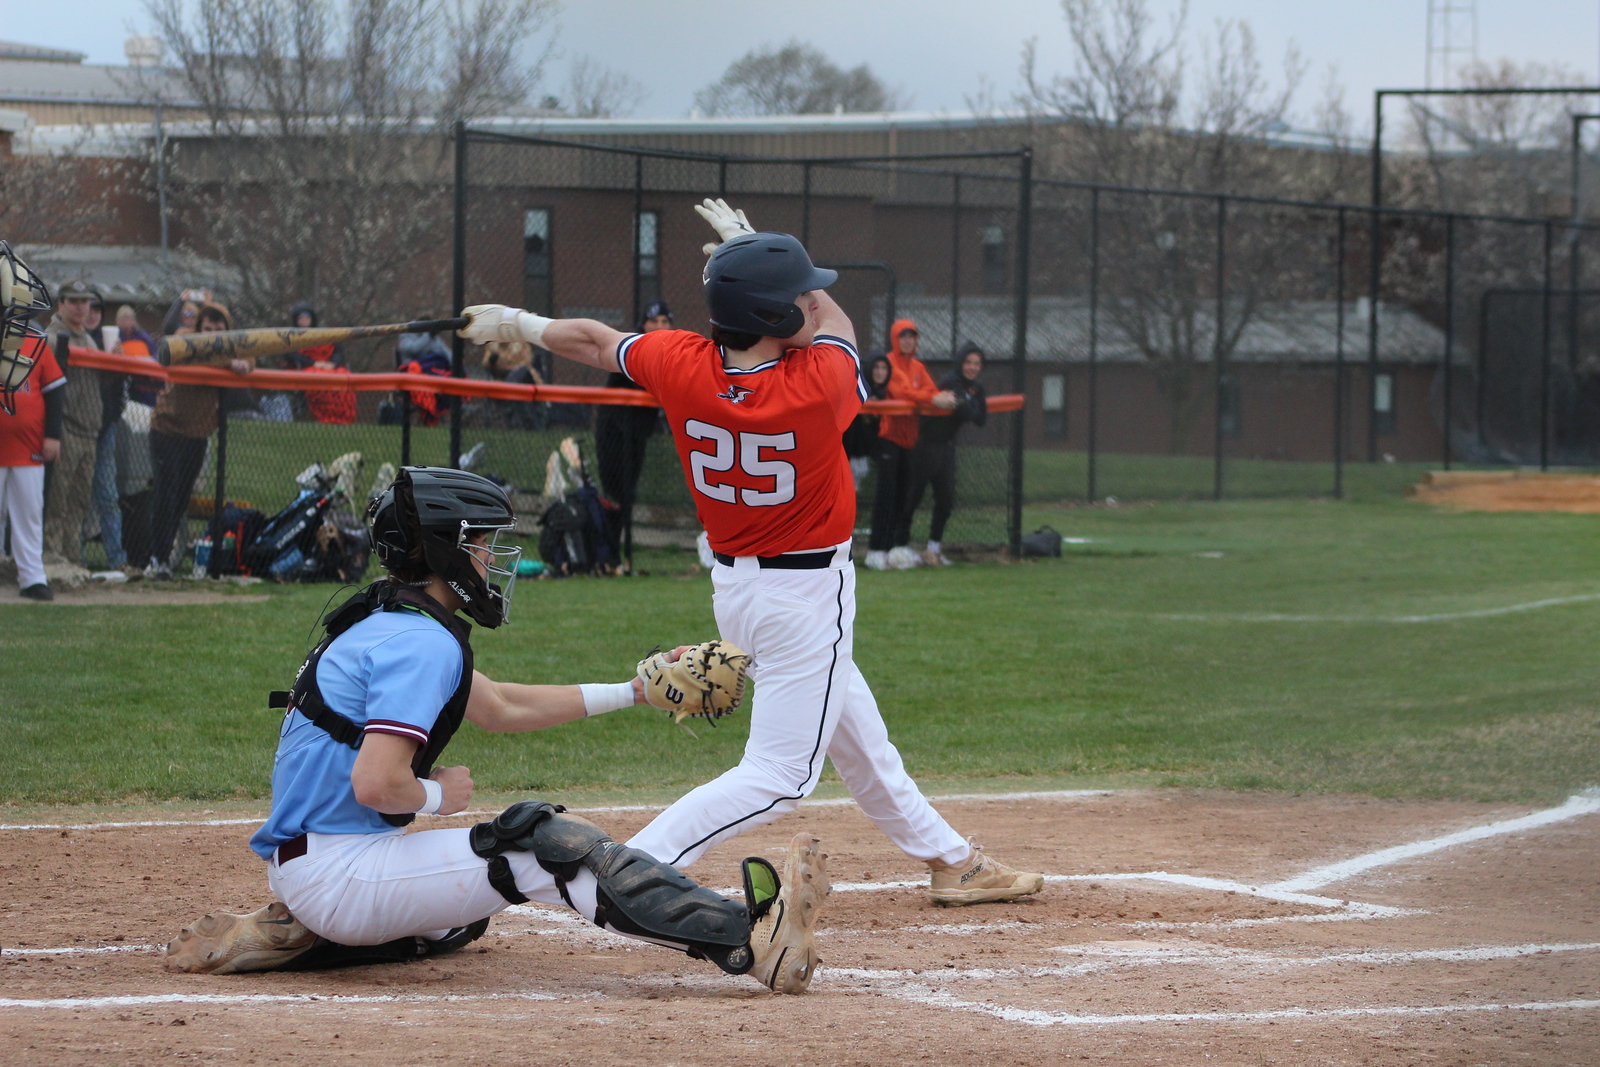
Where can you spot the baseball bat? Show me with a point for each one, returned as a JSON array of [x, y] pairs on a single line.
[[224, 346]]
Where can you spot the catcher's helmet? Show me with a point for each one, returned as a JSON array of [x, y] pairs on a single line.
[[425, 518], [751, 283], [22, 297]]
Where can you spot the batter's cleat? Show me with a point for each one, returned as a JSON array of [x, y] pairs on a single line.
[[228, 944], [979, 880], [784, 913]]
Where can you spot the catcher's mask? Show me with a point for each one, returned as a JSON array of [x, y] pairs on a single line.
[[428, 517], [22, 296]]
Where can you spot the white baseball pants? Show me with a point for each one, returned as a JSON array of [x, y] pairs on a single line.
[[22, 509], [365, 889], [810, 702]]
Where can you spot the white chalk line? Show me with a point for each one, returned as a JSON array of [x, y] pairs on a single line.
[[156, 999], [1582, 804], [1062, 1018], [1443, 616], [829, 802], [1106, 958], [915, 985], [74, 950]]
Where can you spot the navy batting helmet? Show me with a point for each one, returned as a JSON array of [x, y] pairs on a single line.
[[751, 283]]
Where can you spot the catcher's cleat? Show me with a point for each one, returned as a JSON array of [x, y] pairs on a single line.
[[220, 943], [980, 879], [784, 913]]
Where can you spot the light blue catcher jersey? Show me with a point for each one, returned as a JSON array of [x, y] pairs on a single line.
[[392, 672]]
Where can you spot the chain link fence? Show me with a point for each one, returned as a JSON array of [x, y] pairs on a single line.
[[1175, 345]]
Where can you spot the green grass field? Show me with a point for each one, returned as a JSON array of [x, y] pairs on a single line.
[[1141, 657]]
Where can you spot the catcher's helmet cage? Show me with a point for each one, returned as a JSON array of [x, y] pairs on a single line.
[[431, 511], [751, 283], [22, 297]]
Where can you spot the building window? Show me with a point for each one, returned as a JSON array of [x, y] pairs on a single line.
[[994, 259], [1383, 402], [647, 260], [1053, 399], [1228, 405], [536, 263]]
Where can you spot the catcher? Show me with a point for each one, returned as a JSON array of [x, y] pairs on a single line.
[[372, 708]]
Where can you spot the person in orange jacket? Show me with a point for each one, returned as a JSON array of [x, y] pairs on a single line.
[[890, 544]]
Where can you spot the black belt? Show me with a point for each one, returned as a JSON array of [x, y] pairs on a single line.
[[291, 849], [795, 561]]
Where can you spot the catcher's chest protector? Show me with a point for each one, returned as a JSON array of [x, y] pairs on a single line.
[[306, 697]]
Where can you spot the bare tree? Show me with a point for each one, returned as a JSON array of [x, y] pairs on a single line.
[[1137, 109], [52, 196], [796, 79], [322, 170], [1493, 154], [595, 91]]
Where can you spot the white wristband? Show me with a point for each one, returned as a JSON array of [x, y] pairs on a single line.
[[435, 799], [601, 697], [532, 326]]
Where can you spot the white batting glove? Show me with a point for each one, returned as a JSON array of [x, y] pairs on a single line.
[[728, 222], [496, 322]]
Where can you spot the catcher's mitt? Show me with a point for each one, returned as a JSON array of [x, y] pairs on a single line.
[[707, 680]]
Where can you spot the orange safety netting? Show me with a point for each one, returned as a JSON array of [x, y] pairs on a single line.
[[306, 382]]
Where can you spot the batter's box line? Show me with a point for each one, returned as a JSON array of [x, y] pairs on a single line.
[[1062, 1018]]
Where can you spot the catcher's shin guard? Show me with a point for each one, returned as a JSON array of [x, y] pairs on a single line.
[[637, 893]]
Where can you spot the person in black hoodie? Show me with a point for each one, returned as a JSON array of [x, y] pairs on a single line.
[[861, 436], [622, 432], [933, 461]]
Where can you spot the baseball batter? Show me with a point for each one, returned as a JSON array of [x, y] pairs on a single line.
[[371, 710], [757, 413]]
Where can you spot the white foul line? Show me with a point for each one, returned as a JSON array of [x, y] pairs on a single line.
[[1586, 804], [1444, 616]]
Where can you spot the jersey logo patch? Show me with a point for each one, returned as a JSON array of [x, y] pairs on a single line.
[[735, 394]]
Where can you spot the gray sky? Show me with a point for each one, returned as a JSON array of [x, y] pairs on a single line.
[[937, 50]]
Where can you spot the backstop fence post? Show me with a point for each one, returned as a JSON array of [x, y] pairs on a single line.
[[1338, 359], [1217, 348], [1094, 338], [955, 264], [1544, 355], [1019, 373], [1449, 328], [214, 563], [458, 287]]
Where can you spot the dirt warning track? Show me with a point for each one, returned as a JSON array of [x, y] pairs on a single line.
[[1176, 927]]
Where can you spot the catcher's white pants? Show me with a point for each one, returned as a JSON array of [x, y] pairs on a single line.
[[810, 702], [365, 889], [22, 509]]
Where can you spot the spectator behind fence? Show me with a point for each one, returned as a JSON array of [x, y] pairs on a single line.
[[30, 438], [180, 429], [890, 545], [622, 433], [335, 406], [933, 461], [424, 353], [512, 361], [103, 488], [72, 475], [136, 342], [861, 436]]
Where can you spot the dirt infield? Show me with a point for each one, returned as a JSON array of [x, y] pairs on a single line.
[[1178, 927], [1509, 491]]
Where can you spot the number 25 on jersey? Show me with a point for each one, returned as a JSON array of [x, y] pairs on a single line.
[[746, 451]]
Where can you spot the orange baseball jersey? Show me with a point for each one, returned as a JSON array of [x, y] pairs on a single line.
[[763, 449], [22, 434]]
